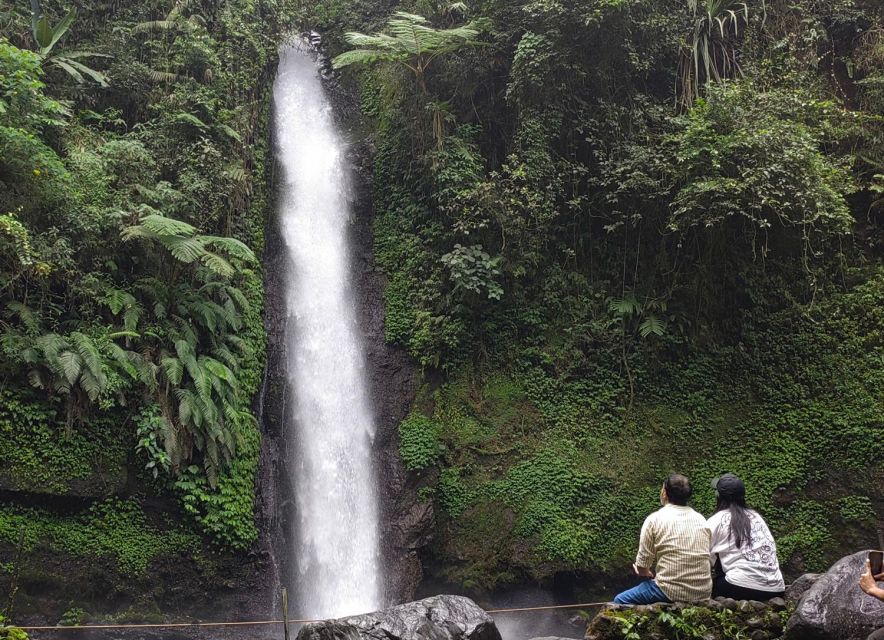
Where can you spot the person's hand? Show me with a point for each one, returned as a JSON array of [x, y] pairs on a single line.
[[641, 571], [867, 582]]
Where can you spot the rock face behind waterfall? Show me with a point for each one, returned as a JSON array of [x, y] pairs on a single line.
[[835, 608], [436, 618], [406, 520]]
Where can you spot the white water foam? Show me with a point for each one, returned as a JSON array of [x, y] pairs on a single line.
[[331, 430]]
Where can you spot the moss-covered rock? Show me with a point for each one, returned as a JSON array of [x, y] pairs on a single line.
[[40, 454], [720, 619]]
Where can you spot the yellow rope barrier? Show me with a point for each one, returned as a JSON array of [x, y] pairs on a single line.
[[178, 625], [554, 606]]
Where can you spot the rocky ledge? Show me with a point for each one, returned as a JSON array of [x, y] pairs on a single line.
[[716, 620], [827, 606]]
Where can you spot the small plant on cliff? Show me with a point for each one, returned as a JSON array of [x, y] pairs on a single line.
[[9, 632], [419, 443], [46, 36]]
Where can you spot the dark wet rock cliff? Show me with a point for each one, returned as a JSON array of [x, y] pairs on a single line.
[[405, 520]]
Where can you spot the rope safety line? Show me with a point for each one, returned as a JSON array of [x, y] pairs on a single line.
[[171, 625]]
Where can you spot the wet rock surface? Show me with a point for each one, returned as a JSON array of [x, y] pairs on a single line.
[[436, 618], [835, 608], [800, 586]]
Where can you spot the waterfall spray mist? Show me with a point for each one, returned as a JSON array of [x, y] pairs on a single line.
[[331, 428]]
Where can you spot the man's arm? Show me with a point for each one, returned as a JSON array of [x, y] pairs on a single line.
[[647, 550]]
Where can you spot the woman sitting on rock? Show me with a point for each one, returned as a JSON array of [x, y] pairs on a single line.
[[742, 547]]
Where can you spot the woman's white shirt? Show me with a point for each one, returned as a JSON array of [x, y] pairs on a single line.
[[754, 565]]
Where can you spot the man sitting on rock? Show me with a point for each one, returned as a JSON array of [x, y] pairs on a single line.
[[676, 540]]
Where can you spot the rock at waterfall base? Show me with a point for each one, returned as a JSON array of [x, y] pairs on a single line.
[[835, 608], [800, 586], [436, 618]]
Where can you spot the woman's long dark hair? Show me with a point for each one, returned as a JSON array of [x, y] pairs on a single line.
[[741, 520]]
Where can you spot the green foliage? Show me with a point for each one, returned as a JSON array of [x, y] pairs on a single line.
[[686, 623], [226, 512], [72, 617], [23, 102], [150, 438], [411, 42], [454, 496], [679, 288], [474, 270], [114, 529], [182, 241], [711, 55], [418, 441], [10, 632], [758, 155], [37, 454], [550, 460], [46, 36], [129, 223]]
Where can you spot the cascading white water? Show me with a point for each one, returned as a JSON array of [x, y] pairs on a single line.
[[331, 430]]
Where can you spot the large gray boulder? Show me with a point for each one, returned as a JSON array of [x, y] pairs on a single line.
[[800, 586], [835, 608], [436, 618]]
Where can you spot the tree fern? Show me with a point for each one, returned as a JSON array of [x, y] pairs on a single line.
[[411, 42], [185, 245]]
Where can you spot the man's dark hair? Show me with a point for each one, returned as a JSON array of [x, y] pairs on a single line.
[[678, 489]]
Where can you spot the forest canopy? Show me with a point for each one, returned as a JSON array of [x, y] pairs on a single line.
[[619, 237]]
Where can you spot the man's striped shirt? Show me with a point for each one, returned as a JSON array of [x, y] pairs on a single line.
[[677, 540]]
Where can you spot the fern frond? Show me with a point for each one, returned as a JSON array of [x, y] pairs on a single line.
[[189, 118], [166, 227], [90, 356], [164, 77], [26, 315], [652, 325], [71, 365], [217, 264], [151, 26], [184, 249], [363, 56], [91, 385], [35, 378], [230, 246], [123, 359], [173, 369]]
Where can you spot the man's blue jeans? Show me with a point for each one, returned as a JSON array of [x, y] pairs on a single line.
[[647, 592]]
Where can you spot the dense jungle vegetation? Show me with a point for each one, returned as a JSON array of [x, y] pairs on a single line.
[[133, 197], [625, 237], [621, 237]]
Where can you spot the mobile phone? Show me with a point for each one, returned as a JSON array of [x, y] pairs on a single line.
[[876, 560]]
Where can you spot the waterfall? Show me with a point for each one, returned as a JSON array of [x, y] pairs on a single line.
[[334, 548]]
